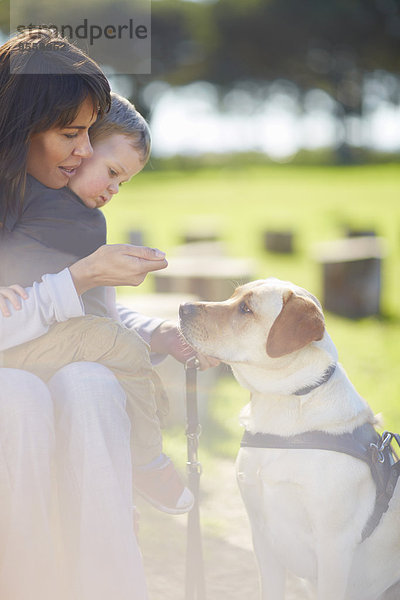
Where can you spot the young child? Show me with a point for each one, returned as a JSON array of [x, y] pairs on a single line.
[[56, 228]]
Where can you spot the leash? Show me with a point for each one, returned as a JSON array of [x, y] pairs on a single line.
[[195, 582]]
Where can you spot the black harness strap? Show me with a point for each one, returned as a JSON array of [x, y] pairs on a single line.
[[386, 472], [363, 443]]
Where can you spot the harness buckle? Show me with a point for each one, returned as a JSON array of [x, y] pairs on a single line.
[[386, 439], [377, 452], [385, 442]]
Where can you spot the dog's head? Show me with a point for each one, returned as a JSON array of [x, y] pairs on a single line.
[[263, 320]]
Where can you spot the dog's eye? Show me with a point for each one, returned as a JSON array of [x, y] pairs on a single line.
[[243, 308]]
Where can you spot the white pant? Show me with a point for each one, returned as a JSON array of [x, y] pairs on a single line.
[[66, 526]]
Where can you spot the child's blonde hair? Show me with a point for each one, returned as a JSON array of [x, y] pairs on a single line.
[[125, 119]]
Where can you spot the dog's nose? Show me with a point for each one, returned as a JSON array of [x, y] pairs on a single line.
[[186, 309]]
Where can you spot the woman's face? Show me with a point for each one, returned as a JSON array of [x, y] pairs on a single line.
[[55, 154]]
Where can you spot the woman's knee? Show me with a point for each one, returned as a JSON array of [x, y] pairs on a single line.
[[24, 398], [86, 384], [89, 405]]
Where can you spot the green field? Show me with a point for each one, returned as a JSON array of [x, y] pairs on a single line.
[[317, 203]]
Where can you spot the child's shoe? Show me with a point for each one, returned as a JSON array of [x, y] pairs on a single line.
[[163, 488]]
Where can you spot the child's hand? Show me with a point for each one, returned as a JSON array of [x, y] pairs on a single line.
[[167, 339], [13, 293]]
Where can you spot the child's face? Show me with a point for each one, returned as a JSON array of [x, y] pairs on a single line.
[[114, 161]]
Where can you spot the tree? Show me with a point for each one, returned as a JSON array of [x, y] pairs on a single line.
[[314, 43]]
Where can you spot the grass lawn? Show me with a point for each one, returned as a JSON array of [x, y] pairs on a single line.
[[317, 203]]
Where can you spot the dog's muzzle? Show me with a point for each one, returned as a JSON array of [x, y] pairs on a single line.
[[191, 330], [187, 310]]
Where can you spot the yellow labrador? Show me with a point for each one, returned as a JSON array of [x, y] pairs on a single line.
[[308, 507]]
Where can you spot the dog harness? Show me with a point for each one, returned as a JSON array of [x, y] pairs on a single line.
[[363, 443]]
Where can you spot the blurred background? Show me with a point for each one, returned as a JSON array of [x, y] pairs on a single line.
[[276, 139], [274, 76], [271, 76]]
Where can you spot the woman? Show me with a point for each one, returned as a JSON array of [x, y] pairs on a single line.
[[80, 413], [67, 529]]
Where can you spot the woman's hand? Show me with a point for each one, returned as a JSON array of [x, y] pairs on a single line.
[[116, 264], [13, 293], [167, 339]]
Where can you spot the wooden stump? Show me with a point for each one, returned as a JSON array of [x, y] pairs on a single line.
[[352, 275], [200, 236], [201, 249], [201, 228], [354, 232], [136, 237], [279, 241]]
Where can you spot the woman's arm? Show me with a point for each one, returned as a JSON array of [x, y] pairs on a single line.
[[116, 264], [54, 299]]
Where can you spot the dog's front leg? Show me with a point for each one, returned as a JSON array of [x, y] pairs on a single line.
[[272, 573], [334, 563]]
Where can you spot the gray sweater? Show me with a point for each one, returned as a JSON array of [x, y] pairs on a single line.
[[54, 230]]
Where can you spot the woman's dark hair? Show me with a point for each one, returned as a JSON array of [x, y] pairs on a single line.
[[43, 81]]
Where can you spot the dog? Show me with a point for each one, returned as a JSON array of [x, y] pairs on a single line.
[[308, 507]]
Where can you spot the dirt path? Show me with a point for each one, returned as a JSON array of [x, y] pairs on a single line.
[[230, 566]]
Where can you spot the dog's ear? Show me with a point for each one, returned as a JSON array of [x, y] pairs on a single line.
[[299, 323]]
